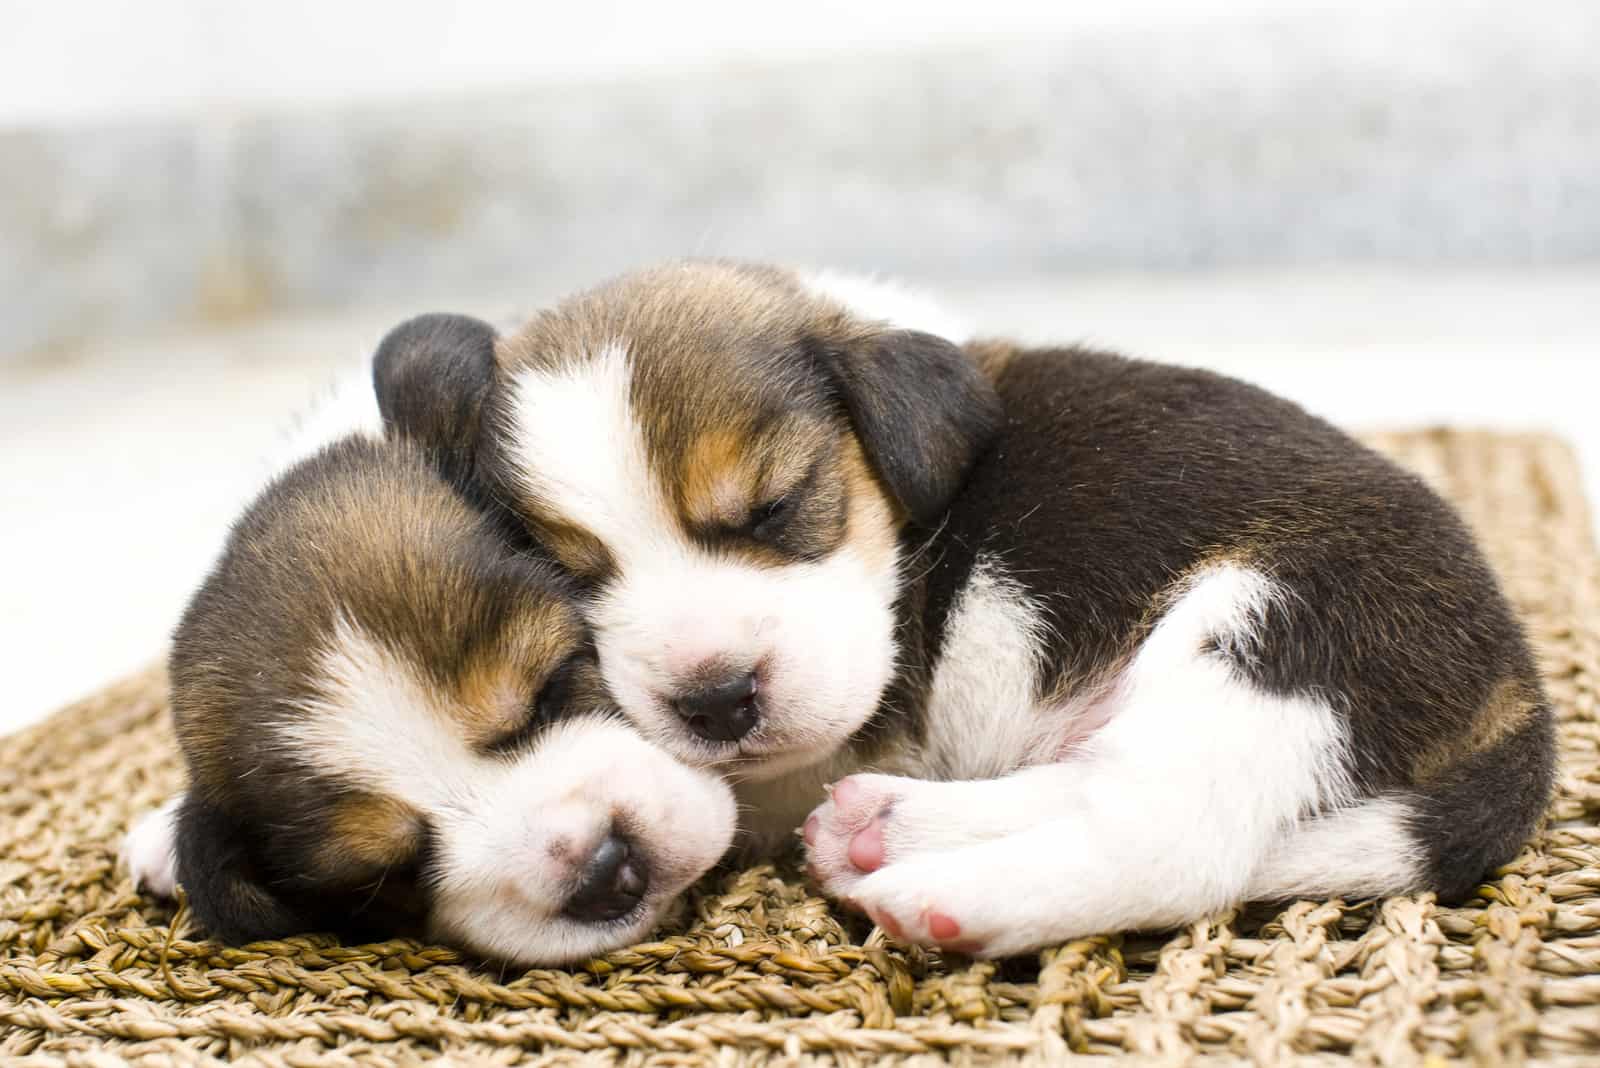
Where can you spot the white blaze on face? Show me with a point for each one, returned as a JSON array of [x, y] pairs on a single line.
[[511, 834], [818, 634]]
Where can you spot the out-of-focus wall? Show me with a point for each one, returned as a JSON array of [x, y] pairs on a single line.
[[171, 162], [89, 59]]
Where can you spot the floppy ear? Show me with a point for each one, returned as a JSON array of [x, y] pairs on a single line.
[[225, 891], [924, 414], [432, 375]]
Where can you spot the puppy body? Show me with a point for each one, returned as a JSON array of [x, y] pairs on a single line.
[[1136, 642], [1239, 655]]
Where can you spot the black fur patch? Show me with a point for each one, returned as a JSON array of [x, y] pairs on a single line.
[[923, 413], [225, 886], [1479, 814], [432, 375]]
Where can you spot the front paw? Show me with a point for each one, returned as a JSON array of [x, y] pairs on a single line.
[[847, 836], [149, 850]]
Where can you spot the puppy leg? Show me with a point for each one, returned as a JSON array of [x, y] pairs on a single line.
[[1194, 795], [871, 820]]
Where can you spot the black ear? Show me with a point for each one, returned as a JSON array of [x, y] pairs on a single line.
[[432, 375], [225, 891], [924, 414]]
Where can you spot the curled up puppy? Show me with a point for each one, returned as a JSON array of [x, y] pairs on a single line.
[[1120, 643], [392, 715]]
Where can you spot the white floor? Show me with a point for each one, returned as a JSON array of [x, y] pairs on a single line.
[[124, 464]]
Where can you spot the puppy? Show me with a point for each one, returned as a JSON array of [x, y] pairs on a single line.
[[1135, 642], [392, 717]]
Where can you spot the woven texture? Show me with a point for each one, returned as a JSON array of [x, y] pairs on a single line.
[[757, 967]]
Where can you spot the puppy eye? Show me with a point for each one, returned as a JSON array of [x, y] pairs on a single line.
[[767, 521], [557, 690], [547, 706]]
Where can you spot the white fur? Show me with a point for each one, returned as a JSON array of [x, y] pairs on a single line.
[[1199, 791], [819, 633], [875, 299], [981, 715], [511, 834], [149, 851], [346, 406], [1367, 848]]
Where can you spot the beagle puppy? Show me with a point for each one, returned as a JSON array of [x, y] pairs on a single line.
[[391, 713], [1084, 642]]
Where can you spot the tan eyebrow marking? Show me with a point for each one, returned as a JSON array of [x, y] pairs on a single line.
[[718, 478], [494, 692], [728, 471]]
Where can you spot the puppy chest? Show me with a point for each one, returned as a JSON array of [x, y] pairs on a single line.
[[983, 716]]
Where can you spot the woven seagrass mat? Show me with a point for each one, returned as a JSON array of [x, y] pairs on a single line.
[[761, 969]]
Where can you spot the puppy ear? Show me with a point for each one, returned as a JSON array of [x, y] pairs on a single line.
[[225, 891], [924, 414], [432, 375]]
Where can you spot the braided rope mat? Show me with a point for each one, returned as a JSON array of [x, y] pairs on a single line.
[[759, 968]]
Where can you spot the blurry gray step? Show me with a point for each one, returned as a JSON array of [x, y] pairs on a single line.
[[1459, 134]]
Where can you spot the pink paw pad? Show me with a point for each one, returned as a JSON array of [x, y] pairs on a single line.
[[947, 932], [890, 925], [866, 851]]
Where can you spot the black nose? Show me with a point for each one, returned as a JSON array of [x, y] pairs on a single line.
[[723, 712], [612, 883]]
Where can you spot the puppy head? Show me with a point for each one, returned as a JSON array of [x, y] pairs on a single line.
[[394, 720], [726, 456]]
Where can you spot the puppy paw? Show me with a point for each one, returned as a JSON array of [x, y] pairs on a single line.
[[904, 901], [149, 851], [847, 836]]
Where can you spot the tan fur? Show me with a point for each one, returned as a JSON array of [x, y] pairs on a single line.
[[369, 830], [708, 334], [496, 687], [1507, 710], [992, 357], [874, 522], [720, 479], [578, 551]]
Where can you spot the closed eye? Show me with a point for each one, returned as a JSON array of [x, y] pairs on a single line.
[[769, 521], [766, 521], [547, 706]]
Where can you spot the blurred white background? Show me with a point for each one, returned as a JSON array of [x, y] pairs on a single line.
[[1392, 216], [74, 61]]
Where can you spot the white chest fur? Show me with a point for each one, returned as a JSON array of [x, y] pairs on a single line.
[[983, 717]]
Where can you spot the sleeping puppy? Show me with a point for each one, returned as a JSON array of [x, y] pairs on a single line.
[[392, 717], [1133, 642]]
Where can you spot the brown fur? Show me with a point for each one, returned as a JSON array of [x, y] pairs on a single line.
[[1507, 710], [370, 831], [364, 535], [733, 410]]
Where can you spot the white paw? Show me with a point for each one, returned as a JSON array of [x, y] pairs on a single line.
[[912, 903], [847, 835], [913, 855], [149, 850]]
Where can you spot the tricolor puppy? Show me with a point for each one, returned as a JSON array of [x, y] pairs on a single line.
[[392, 716], [1136, 642]]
